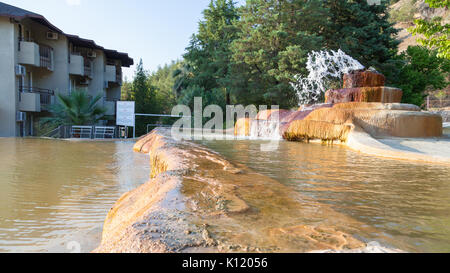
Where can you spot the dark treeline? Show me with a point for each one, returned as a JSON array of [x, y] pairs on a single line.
[[250, 54]]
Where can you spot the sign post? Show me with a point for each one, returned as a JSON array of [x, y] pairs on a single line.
[[125, 115]]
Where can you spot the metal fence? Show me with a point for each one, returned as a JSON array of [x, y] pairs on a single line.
[[84, 132], [437, 104]]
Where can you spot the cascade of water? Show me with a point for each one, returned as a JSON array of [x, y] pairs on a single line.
[[322, 67], [265, 129]]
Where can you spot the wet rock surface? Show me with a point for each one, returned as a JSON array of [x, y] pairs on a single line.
[[199, 202], [364, 86], [242, 127], [445, 114], [365, 94], [364, 102], [364, 79]]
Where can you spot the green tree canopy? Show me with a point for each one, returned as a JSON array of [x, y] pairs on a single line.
[[208, 55], [274, 40], [361, 30], [419, 70], [436, 34], [276, 36]]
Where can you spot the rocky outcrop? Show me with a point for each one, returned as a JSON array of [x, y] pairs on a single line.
[[332, 122], [270, 114], [404, 12], [198, 201], [242, 127], [445, 114], [306, 130], [364, 102], [365, 94], [364, 86], [364, 79], [382, 123]]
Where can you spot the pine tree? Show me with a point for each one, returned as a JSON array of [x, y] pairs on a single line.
[[144, 96], [361, 30], [275, 37], [141, 89], [208, 55], [126, 90]]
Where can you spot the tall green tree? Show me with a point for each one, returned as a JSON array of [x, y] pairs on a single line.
[[141, 90], [274, 39], [126, 90], [144, 95], [361, 30], [418, 71], [182, 76], [163, 81], [208, 54]]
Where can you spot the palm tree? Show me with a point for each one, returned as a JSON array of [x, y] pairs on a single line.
[[78, 108]]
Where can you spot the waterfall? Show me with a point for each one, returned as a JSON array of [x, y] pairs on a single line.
[[265, 129], [322, 66]]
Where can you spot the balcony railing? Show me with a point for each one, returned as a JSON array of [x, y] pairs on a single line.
[[118, 75], [32, 53], [46, 94], [46, 57], [87, 67]]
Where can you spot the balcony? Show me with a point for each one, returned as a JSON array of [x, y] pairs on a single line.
[[113, 74], [34, 99], [110, 106], [88, 68], [33, 54], [119, 76], [76, 65], [110, 73], [46, 57]]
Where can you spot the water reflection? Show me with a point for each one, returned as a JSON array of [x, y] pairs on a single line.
[[55, 191], [408, 202]]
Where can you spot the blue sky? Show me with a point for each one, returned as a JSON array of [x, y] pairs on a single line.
[[157, 31]]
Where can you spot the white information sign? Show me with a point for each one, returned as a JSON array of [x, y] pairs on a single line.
[[125, 113]]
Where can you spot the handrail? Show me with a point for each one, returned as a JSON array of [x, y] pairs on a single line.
[[157, 125], [45, 54], [37, 90], [52, 133], [118, 75], [87, 67], [45, 94]]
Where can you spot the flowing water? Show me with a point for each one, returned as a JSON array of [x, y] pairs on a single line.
[[407, 203], [322, 67], [265, 129], [54, 195]]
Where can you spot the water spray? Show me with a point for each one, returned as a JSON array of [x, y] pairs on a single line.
[[322, 67]]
